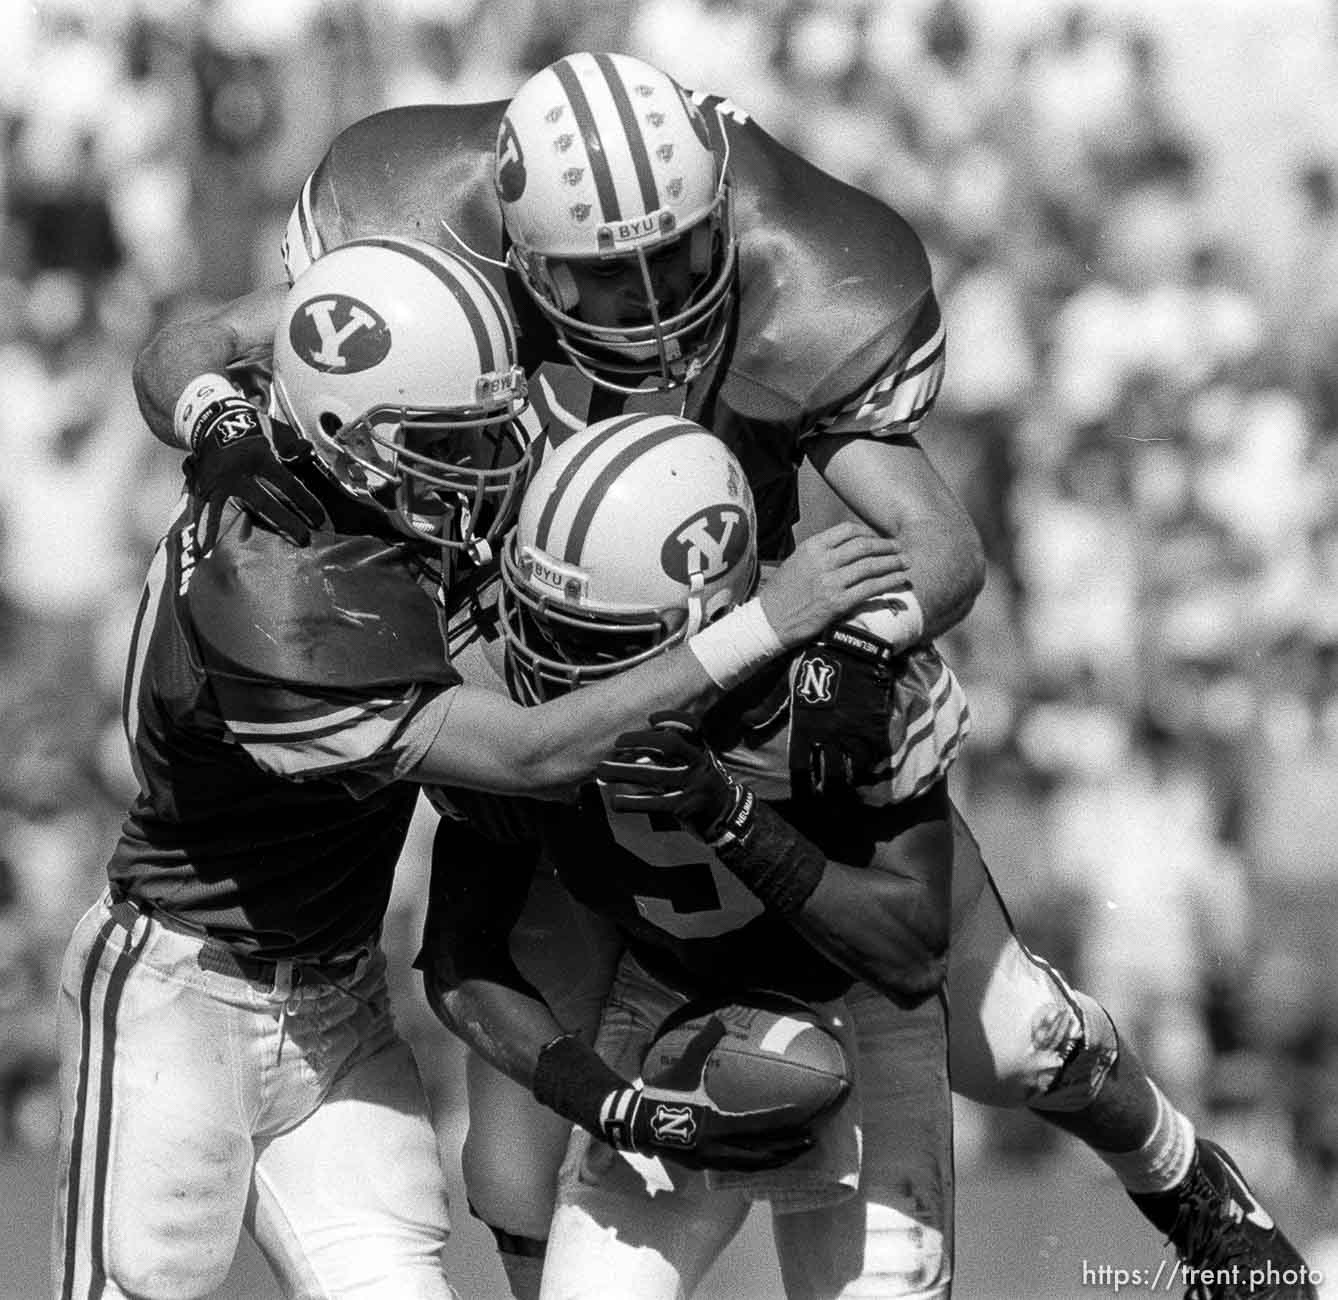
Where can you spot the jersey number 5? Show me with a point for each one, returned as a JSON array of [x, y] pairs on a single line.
[[687, 892]]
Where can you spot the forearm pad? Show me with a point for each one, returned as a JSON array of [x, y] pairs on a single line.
[[774, 860], [573, 1080]]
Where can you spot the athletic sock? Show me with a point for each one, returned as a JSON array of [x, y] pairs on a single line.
[[1164, 1160]]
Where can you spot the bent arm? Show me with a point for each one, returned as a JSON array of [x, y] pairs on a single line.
[[892, 486], [237, 333], [487, 742], [505, 1025], [888, 922], [477, 894]]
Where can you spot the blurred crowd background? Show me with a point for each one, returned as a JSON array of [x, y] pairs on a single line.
[[1132, 210]]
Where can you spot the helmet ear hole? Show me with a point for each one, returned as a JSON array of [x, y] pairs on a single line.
[[563, 284]]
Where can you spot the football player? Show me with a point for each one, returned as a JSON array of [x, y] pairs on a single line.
[[587, 593], [658, 248], [228, 1053], [772, 896]]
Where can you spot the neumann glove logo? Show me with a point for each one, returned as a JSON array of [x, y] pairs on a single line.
[[817, 678], [674, 1125], [337, 334], [711, 543]]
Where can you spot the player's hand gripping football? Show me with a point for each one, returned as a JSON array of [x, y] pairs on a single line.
[[668, 767], [238, 454], [827, 577], [675, 1119]]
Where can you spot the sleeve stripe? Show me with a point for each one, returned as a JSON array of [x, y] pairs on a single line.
[[935, 773], [925, 354], [301, 240], [940, 695], [930, 747], [900, 398], [899, 411], [312, 728], [917, 363], [311, 239], [355, 742]]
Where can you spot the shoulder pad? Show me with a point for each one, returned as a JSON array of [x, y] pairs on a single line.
[[344, 613], [420, 171], [831, 281]]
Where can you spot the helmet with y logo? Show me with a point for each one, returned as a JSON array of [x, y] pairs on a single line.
[[396, 361], [605, 162], [632, 536]]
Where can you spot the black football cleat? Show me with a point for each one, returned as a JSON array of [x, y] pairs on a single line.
[[1228, 1244]]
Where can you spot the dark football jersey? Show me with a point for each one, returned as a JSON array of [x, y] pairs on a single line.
[[270, 702], [838, 328], [687, 918], [684, 915]]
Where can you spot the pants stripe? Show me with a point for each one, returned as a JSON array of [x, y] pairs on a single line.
[[80, 1102], [111, 1002]]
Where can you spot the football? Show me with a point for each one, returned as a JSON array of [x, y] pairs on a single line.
[[777, 1058]]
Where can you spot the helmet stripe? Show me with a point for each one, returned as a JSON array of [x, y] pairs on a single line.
[[306, 222], [636, 142], [594, 496], [488, 359], [594, 143], [565, 478]]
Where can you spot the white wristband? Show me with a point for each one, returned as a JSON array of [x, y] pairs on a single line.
[[199, 393], [737, 645], [896, 618]]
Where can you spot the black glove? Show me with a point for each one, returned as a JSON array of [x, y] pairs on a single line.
[[669, 768], [842, 712], [669, 1119], [232, 458]]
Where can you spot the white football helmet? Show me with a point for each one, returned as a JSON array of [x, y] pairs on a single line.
[[396, 361], [633, 535], [601, 157]]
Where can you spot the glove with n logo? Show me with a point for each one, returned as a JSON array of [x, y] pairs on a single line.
[[238, 454], [871, 721], [674, 1118]]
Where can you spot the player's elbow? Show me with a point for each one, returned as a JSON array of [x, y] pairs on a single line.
[[921, 978], [974, 568], [911, 978], [541, 761], [520, 757], [914, 962], [533, 774], [968, 567], [454, 1001]]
